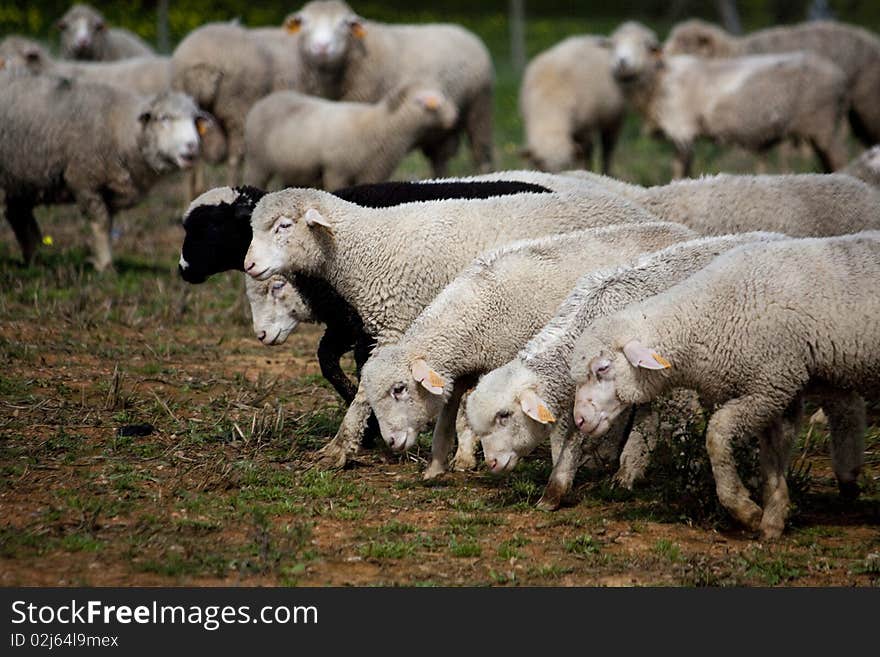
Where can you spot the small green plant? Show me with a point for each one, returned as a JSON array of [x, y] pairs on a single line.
[[464, 547], [584, 545]]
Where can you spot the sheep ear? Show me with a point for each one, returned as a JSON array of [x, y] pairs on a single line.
[[315, 218], [145, 117], [641, 356], [430, 100], [293, 24], [356, 25], [535, 408], [604, 42], [203, 123], [430, 380]]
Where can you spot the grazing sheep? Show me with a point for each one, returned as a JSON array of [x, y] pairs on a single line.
[[312, 142], [866, 167], [218, 233], [500, 409], [345, 57], [85, 35], [568, 97], [752, 333], [67, 141], [482, 318], [754, 102], [390, 263], [226, 71], [854, 50]]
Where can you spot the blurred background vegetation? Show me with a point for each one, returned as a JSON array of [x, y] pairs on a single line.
[[547, 22]]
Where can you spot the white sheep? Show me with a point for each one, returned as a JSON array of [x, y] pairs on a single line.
[[312, 142], [752, 333], [501, 409], [866, 167], [481, 319], [390, 263], [86, 35], [344, 57], [102, 147], [754, 102], [568, 97], [855, 50]]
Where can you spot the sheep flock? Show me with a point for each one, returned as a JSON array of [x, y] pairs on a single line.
[[503, 310]]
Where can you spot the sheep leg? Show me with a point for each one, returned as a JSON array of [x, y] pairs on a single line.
[[478, 126], [565, 465], [330, 350], [235, 159], [466, 454], [195, 183], [444, 430], [101, 223], [775, 451], [830, 150], [681, 165], [440, 151], [636, 453], [609, 136], [20, 215], [743, 416], [846, 420], [336, 453]]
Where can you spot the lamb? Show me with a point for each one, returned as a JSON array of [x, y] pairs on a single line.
[[854, 50], [312, 142], [218, 233], [344, 57], [567, 97], [754, 102], [500, 408], [85, 35], [389, 264], [752, 332], [226, 71], [866, 167], [481, 319], [102, 147]]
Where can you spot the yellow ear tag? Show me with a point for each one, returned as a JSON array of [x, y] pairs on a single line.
[[665, 363], [544, 414], [47, 240], [435, 380], [432, 102], [201, 128], [358, 31], [293, 26]]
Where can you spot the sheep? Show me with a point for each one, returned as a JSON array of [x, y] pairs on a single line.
[[854, 50], [866, 167], [501, 407], [752, 332], [753, 101], [389, 264], [344, 57], [85, 35], [102, 147], [568, 95], [481, 319], [312, 142], [218, 233], [226, 70]]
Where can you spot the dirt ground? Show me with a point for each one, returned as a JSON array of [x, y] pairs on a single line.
[[222, 489]]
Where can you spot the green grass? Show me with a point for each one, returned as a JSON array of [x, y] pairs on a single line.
[[584, 545]]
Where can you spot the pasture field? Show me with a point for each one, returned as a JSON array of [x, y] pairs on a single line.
[[222, 489]]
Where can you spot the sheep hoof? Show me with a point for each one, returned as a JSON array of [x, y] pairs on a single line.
[[463, 463], [552, 497], [332, 456], [771, 530], [849, 490], [434, 471], [623, 479]]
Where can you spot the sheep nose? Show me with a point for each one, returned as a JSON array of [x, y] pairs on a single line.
[[491, 464], [261, 336], [579, 420], [250, 266]]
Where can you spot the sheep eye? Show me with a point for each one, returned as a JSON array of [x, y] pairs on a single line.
[[501, 417], [397, 390], [276, 288], [283, 224]]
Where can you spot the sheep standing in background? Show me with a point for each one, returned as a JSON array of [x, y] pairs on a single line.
[[568, 98], [481, 319], [226, 71], [754, 102], [752, 333], [854, 50], [312, 142], [390, 263], [344, 57], [67, 141], [498, 408], [86, 35]]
